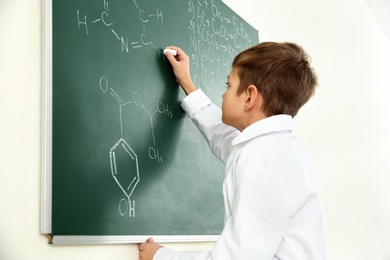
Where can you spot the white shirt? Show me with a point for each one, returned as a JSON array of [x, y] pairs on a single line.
[[271, 206]]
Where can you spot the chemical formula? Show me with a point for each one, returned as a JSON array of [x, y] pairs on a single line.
[[212, 38], [104, 18], [126, 184]]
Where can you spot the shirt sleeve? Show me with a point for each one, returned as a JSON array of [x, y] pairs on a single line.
[[207, 117]]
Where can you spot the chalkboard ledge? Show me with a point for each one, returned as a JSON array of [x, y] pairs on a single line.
[[93, 240]]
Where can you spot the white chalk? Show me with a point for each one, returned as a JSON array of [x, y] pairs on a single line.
[[174, 52]]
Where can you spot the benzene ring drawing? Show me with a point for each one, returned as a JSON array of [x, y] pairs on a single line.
[[124, 168]]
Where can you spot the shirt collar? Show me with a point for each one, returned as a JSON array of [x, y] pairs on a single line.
[[267, 125]]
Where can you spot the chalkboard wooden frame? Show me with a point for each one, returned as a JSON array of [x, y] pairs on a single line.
[[47, 162], [47, 113]]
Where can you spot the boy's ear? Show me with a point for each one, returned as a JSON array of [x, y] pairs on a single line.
[[252, 97]]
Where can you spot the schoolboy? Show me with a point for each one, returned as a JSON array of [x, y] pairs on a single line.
[[271, 206]]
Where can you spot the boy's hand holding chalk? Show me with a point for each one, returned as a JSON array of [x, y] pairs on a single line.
[[181, 68]]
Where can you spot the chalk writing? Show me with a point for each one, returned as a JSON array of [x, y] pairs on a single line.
[[131, 170], [117, 170], [214, 39], [212, 33], [104, 18]]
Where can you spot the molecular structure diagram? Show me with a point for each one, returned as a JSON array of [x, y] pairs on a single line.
[[124, 161], [104, 18], [122, 150]]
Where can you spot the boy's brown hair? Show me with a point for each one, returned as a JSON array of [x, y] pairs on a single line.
[[282, 74]]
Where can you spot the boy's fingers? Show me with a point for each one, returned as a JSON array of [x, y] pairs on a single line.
[[170, 57]]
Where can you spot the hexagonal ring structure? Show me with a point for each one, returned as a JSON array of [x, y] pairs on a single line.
[[124, 167]]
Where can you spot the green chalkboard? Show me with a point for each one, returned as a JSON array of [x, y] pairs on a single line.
[[125, 160]]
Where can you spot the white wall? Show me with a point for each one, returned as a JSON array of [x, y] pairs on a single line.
[[344, 127]]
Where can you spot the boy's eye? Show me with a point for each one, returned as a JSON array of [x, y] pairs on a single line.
[[227, 84]]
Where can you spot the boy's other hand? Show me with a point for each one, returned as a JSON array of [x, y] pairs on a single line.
[[148, 249]]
